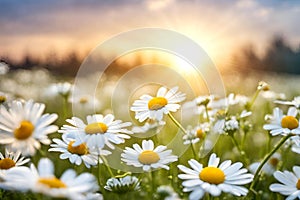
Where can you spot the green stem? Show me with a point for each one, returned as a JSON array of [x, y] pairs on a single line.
[[206, 111], [107, 166], [242, 153], [99, 172], [151, 181], [65, 106], [254, 98], [266, 158], [194, 151], [244, 139], [177, 123]]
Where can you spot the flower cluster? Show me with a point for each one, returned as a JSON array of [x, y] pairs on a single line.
[[99, 156]]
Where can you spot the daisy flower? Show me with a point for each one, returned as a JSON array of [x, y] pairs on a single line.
[[283, 124], [23, 126], [155, 107], [224, 126], [123, 185], [43, 180], [270, 167], [62, 89], [196, 134], [214, 178], [3, 97], [99, 131], [147, 156], [271, 95], [295, 102], [77, 154], [84, 102], [149, 125], [10, 160], [289, 183]]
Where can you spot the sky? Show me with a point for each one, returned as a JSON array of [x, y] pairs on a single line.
[[221, 27]]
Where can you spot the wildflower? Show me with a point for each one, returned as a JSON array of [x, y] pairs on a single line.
[[271, 95], [123, 185], [154, 107], [263, 86], [196, 134], [270, 167], [77, 154], [226, 126], [99, 131], [147, 157], [214, 178], [3, 97], [62, 89], [289, 183], [10, 160], [43, 180], [149, 125], [295, 102], [23, 127], [283, 124], [85, 102]]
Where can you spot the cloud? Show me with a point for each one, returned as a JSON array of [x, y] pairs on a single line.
[[81, 25], [157, 4]]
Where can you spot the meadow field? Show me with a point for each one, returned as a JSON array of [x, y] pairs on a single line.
[[159, 144]]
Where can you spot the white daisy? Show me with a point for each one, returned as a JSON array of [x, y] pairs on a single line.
[[295, 102], [10, 160], [77, 154], [84, 102], [196, 134], [214, 178], [289, 183], [23, 127], [62, 89], [155, 107], [263, 86], [43, 180], [3, 97], [283, 124], [270, 167], [147, 157], [123, 185], [99, 131], [149, 125], [294, 141], [224, 126], [271, 95]]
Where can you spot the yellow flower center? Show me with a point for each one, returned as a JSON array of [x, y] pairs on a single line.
[[212, 175], [298, 184], [148, 157], [80, 149], [200, 134], [2, 99], [24, 131], [52, 182], [157, 103], [274, 162], [83, 100], [289, 122], [95, 128], [7, 163]]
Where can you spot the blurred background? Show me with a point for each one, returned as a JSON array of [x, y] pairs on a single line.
[[242, 37]]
